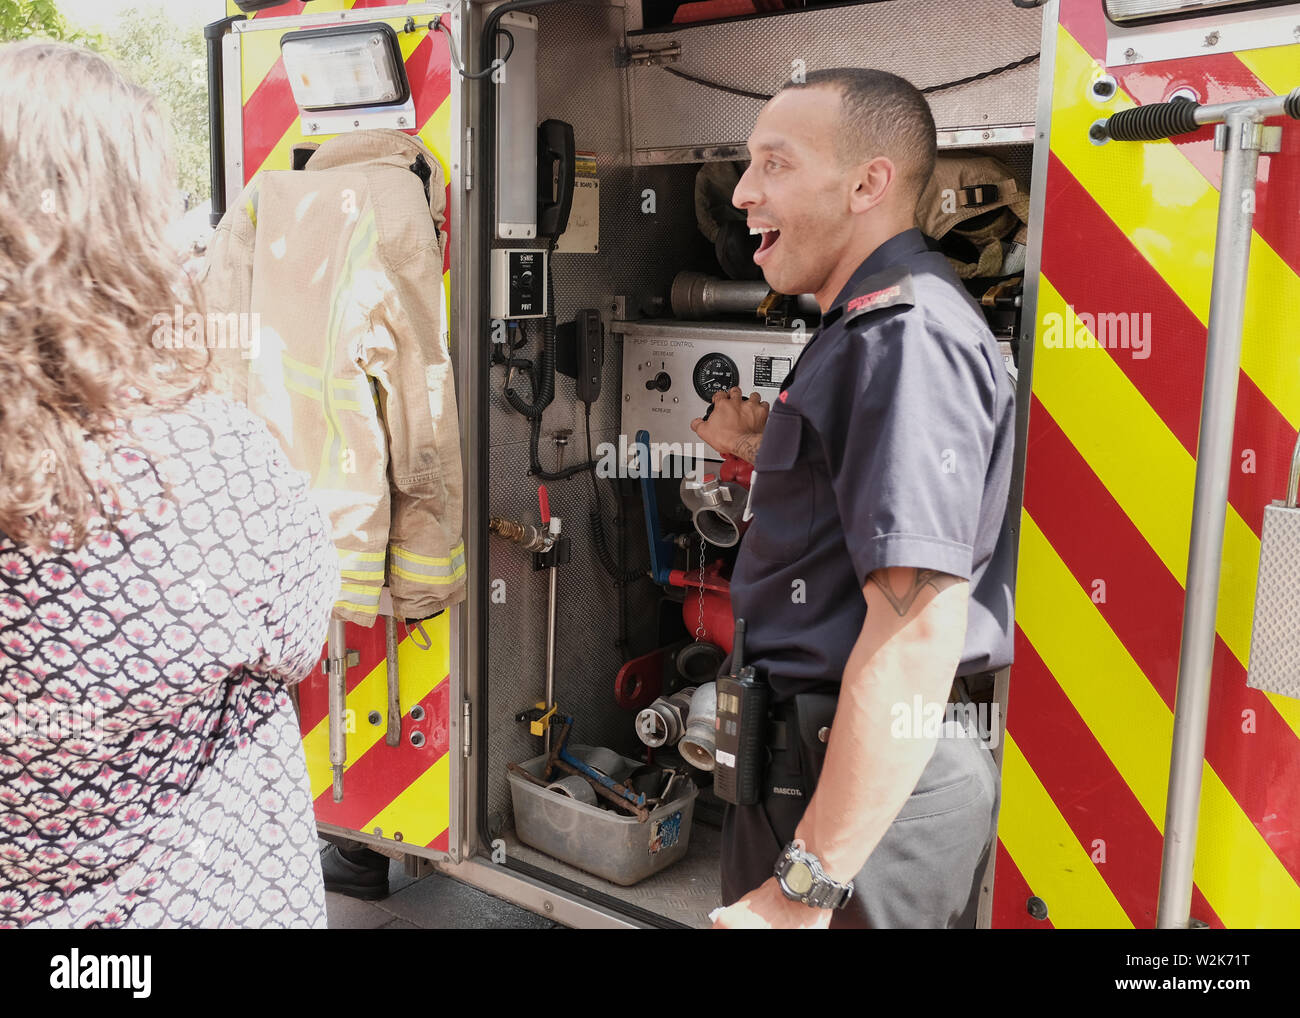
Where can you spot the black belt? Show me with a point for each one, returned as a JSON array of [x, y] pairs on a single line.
[[778, 729]]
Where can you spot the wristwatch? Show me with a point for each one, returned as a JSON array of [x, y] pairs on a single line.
[[802, 879]]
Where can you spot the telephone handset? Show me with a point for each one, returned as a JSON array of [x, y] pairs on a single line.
[[555, 159]]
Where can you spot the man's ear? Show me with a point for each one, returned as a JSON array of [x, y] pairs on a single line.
[[871, 182]]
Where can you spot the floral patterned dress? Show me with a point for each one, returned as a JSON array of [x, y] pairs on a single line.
[[151, 771]]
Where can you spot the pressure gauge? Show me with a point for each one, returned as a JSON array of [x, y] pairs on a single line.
[[714, 372]]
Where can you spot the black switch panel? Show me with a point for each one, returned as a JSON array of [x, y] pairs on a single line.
[[591, 354]]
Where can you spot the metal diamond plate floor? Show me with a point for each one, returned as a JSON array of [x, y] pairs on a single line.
[[685, 892]]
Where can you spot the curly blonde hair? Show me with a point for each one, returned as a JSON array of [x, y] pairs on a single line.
[[87, 188]]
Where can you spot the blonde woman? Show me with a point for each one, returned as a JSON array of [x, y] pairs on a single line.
[[163, 575]]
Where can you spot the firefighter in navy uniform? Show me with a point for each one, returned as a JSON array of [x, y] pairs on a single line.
[[875, 578]]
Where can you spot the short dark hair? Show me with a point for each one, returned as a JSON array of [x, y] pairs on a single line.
[[881, 114]]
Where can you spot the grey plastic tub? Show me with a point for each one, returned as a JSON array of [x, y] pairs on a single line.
[[607, 843]]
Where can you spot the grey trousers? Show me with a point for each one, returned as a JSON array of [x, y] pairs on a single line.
[[925, 871]]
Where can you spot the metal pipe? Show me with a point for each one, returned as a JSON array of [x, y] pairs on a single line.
[[698, 745], [393, 736], [525, 535], [696, 295], [336, 663], [716, 507], [550, 651], [1265, 106], [664, 721], [1209, 508]]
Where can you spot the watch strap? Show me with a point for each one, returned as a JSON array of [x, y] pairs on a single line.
[[824, 892]]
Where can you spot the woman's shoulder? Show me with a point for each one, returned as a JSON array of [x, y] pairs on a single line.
[[209, 426]]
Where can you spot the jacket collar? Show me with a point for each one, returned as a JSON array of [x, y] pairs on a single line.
[[897, 248], [893, 252], [393, 148]]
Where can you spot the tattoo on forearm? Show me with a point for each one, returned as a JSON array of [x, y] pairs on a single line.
[[747, 447], [903, 600]]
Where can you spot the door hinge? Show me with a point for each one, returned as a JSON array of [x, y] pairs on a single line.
[[469, 159], [626, 57], [467, 740]]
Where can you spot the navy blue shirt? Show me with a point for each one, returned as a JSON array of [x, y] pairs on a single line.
[[890, 445]]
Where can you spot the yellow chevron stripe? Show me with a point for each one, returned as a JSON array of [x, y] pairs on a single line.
[[1148, 472], [258, 53], [436, 135], [1048, 855], [422, 810], [1278, 67], [1153, 193], [1241, 878], [279, 156], [418, 671]]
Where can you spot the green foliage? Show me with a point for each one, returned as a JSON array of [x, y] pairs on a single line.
[[153, 51], [170, 60], [26, 19]]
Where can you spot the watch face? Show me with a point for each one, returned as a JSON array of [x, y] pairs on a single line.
[[799, 878]]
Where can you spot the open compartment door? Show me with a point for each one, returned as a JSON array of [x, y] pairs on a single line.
[[405, 795]]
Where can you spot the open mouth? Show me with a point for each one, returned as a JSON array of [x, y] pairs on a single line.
[[769, 235]]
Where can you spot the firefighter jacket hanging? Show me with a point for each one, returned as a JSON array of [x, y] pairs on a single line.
[[342, 263]]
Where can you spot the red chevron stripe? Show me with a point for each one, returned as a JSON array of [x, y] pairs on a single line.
[[1010, 893], [1143, 607], [1170, 378], [1085, 785], [383, 772], [289, 10], [428, 68], [1085, 20], [268, 114]]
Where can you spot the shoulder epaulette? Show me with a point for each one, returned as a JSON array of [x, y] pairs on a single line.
[[890, 288]]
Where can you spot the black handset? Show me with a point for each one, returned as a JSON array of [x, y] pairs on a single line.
[[555, 159]]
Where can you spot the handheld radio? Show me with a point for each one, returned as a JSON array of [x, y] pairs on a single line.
[[740, 729]]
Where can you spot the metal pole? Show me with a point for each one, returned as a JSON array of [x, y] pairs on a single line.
[[337, 665], [393, 734], [1239, 137], [550, 654]]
